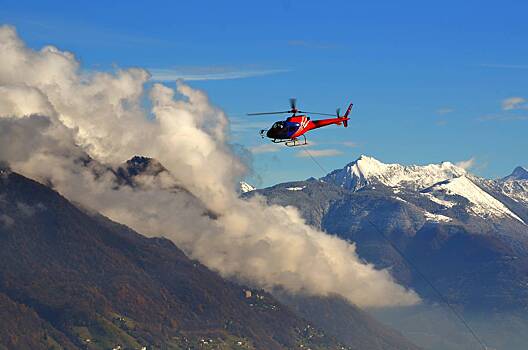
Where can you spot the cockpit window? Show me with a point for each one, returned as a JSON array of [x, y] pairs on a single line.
[[278, 125]]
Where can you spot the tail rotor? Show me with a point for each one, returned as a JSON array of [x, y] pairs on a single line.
[[345, 116]]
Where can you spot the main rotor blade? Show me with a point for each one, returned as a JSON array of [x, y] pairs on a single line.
[[293, 103], [316, 113], [263, 113]]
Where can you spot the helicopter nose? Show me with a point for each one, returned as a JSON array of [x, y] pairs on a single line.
[[271, 134]]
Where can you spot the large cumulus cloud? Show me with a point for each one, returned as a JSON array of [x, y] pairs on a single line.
[[55, 118]]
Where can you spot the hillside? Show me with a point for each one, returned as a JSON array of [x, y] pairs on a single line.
[[73, 280]]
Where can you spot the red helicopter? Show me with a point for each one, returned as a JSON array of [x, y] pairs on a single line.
[[290, 130]]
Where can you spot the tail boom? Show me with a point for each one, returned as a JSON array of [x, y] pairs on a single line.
[[340, 120]]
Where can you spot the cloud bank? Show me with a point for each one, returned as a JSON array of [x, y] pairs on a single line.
[[61, 127]]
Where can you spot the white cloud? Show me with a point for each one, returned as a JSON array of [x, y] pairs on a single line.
[[319, 153], [209, 73], [244, 125], [466, 164], [266, 148], [52, 115], [513, 103], [444, 110], [350, 144]]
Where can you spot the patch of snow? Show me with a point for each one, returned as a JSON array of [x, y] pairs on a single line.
[[482, 203], [400, 199], [436, 217], [295, 188], [515, 189], [440, 201], [245, 187]]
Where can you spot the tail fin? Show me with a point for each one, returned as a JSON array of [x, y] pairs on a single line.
[[345, 116]]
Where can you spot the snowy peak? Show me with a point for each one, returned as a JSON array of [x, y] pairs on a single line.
[[245, 187], [443, 183], [518, 173], [367, 170], [481, 203]]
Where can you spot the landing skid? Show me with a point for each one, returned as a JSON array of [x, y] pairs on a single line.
[[296, 142], [293, 142]]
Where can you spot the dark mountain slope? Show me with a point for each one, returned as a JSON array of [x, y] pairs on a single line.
[[24, 329], [348, 323], [73, 280]]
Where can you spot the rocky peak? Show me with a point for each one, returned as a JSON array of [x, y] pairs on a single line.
[[143, 165], [518, 173]]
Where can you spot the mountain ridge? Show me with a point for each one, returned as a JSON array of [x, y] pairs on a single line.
[[447, 178], [466, 234], [358, 173]]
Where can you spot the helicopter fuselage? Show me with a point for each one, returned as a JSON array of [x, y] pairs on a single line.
[[297, 125]]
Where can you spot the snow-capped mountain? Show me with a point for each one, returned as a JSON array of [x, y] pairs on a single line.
[[245, 187], [481, 203], [435, 211], [468, 235], [367, 170], [445, 184]]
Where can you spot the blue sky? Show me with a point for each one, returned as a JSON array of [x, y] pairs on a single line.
[[428, 79]]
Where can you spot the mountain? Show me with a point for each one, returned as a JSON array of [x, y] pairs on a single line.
[[359, 332], [448, 220], [76, 280], [467, 235], [129, 172], [518, 173], [445, 184], [367, 171], [245, 187]]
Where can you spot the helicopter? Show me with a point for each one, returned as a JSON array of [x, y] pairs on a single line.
[[292, 131]]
